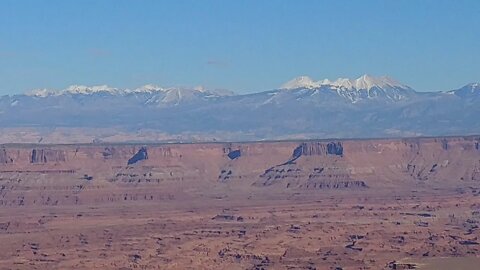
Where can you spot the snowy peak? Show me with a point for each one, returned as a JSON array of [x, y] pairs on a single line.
[[40, 93], [364, 82], [367, 82], [88, 90], [469, 90], [471, 87], [355, 90], [146, 89], [74, 89], [301, 82]]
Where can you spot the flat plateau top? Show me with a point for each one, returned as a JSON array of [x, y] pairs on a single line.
[[466, 137]]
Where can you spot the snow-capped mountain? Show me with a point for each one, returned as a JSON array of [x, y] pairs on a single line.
[[177, 96], [156, 94], [355, 90], [364, 107], [471, 90], [302, 82], [364, 82], [352, 90], [75, 89]]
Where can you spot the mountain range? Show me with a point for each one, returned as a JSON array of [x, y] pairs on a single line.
[[301, 108]]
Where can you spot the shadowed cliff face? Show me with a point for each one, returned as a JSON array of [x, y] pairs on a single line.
[[47, 155], [319, 149], [316, 165], [299, 171], [4, 158], [140, 155]]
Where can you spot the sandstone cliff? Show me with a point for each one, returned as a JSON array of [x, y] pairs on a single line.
[[123, 172]]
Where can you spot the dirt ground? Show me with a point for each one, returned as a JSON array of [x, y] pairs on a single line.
[[331, 230]]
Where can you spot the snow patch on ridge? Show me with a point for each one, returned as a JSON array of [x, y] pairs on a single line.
[[364, 82], [146, 89]]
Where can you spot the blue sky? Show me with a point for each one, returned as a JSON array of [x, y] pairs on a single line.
[[244, 46]]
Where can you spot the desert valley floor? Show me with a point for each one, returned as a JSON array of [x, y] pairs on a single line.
[[322, 204]]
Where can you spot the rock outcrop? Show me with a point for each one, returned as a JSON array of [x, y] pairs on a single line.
[[142, 154], [47, 155], [318, 149], [4, 157], [449, 162]]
